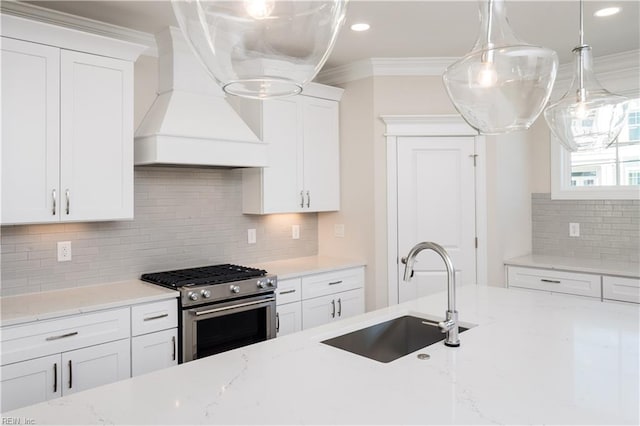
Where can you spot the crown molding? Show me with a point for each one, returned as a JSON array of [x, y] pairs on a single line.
[[378, 67], [41, 14]]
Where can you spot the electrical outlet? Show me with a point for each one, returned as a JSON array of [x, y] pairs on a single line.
[[251, 236], [338, 230], [295, 232], [64, 251], [574, 229]]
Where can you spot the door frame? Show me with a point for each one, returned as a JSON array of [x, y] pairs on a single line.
[[398, 126]]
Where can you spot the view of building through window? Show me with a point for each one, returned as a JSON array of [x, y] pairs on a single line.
[[619, 164]]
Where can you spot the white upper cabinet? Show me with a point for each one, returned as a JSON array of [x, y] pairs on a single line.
[[67, 134], [30, 132], [303, 174]]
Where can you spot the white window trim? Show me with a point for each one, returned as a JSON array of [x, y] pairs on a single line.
[[561, 188]]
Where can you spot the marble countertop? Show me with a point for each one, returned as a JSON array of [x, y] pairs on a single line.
[[532, 358], [590, 266], [71, 301], [293, 268]]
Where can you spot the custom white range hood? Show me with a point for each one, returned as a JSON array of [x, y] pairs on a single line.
[[191, 123]]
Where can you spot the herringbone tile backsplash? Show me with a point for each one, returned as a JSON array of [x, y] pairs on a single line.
[[183, 217]]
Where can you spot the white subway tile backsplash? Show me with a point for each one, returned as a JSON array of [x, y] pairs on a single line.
[[609, 229], [183, 218]]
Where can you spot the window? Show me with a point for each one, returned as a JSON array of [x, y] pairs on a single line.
[[610, 173]]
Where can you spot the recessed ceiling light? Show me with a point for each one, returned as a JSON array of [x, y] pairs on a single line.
[[360, 27], [607, 11]]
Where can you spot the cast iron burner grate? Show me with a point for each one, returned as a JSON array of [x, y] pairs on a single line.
[[216, 274]]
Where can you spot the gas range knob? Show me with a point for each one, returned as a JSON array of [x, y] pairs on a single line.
[[193, 296], [205, 294], [271, 282], [261, 284], [234, 288]]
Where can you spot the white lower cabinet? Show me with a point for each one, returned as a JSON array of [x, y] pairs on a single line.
[[325, 309], [30, 382], [37, 380], [621, 289], [154, 351], [154, 341], [554, 281], [98, 365], [288, 318]]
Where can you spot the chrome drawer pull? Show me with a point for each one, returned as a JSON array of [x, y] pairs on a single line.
[[173, 341], [241, 305], [55, 377], [68, 199], [53, 196], [70, 375], [336, 282], [333, 311], [308, 199], [550, 281], [339, 307], [288, 291], [156, 317], [62, 336], [301, 198]]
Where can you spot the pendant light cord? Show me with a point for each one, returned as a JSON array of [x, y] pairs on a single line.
[[582, 95]]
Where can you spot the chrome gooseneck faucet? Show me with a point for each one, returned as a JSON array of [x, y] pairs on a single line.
[[450, 325]]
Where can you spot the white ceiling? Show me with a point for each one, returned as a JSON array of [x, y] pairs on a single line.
[[424, 28]]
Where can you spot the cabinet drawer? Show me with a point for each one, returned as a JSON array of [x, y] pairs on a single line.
[[332, 282], [42, 338], [623, 289], [555, 281], [155, 316], [289, 291]]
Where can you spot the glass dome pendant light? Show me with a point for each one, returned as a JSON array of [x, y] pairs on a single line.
[[587, 117], [503, 84], [261, 48]]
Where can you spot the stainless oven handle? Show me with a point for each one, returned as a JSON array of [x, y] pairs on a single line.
[[240, 305]]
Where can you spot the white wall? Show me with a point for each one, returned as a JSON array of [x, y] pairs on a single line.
[[363, 182]]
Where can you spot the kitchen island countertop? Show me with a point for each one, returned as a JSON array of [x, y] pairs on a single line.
[[532, 358]]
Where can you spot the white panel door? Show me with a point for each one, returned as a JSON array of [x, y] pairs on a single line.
[[30, 132], [96, 137], [288, 318], [154, 351], [95, 366], [282, 180], [436, 202], [349, 303], [29, 382], [318, 311], [321, 154]]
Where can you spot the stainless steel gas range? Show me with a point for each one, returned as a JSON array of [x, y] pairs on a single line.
[[221, 307]]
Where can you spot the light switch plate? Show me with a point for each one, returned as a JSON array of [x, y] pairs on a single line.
[[338, 230], [251, 236], [295, 232]]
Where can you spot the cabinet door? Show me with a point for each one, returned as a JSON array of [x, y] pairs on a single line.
[[321, 154], [98, 365], [96, 148], [29, 382], [30, 132], [350, 303], [288, 318], [154, 351], [620, 288], [318, 311]]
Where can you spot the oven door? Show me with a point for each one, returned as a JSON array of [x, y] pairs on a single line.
[[215, 328]]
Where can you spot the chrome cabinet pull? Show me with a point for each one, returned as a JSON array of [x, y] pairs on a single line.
[[70, 375], [550, 281], [173, 342], [333, 311], [53, 196], [339, 307], [156, 317], [62, 336], [308, 199], [302, 199], [288, 291], [277, 322], [55, 377], [335, 282], [66, 193]]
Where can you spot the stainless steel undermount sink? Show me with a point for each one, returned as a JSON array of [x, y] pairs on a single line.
[[390, 340]]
